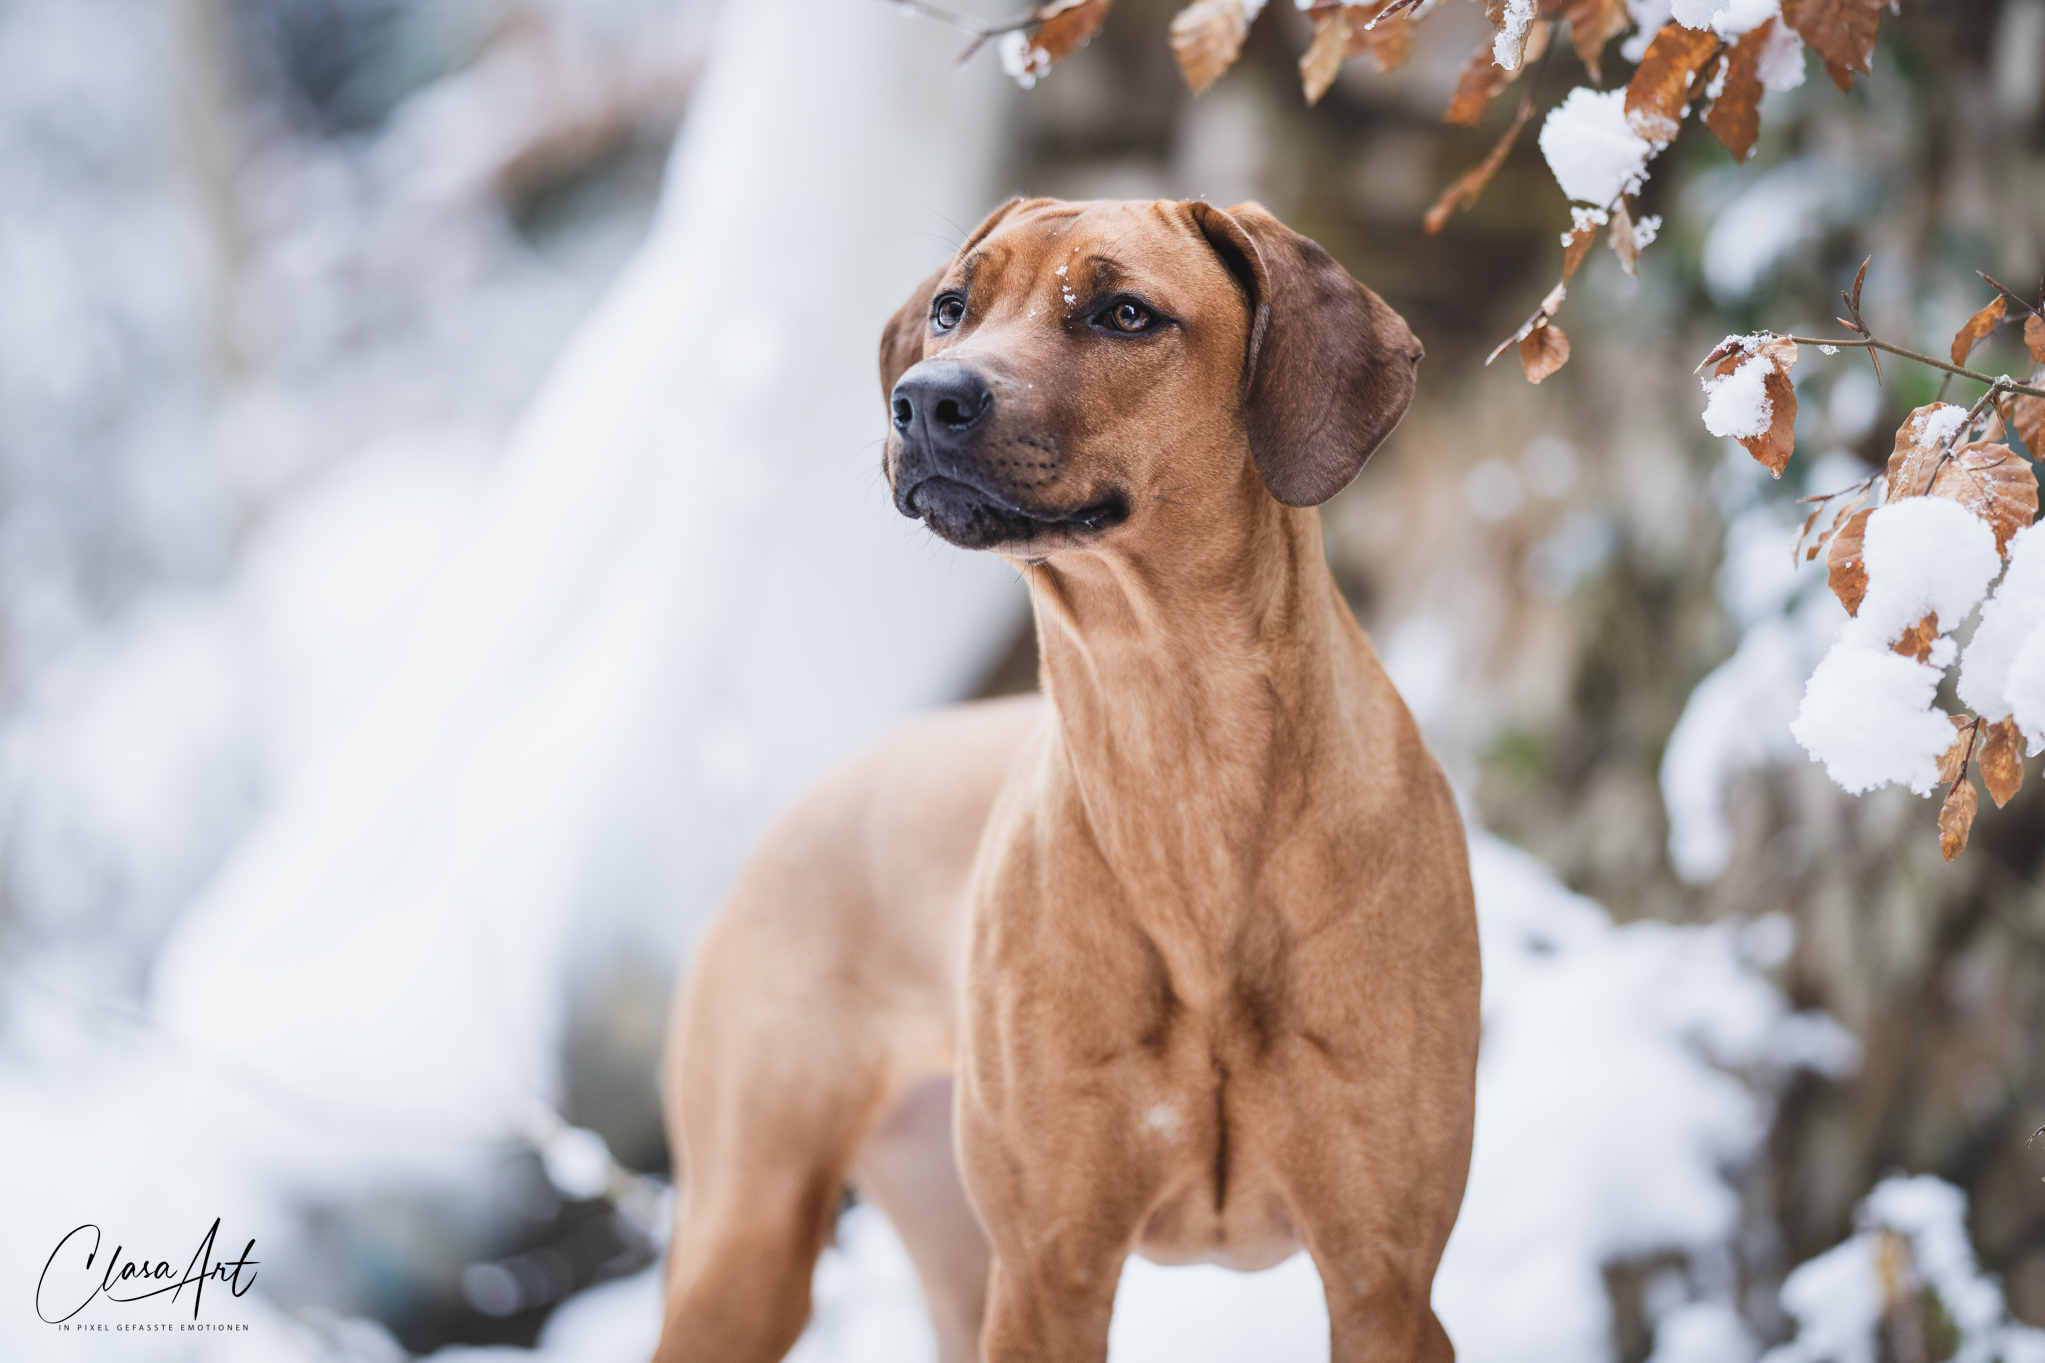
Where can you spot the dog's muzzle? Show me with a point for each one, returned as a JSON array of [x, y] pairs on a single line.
[[944, 416]]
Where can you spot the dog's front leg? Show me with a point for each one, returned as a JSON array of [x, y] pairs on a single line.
[[1055, 1079], [1062, 1223]]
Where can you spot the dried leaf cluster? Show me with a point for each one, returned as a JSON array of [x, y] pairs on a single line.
[[1967, 461], [1681, 69]]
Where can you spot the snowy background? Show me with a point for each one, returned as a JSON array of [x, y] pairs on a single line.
[[440, 523]]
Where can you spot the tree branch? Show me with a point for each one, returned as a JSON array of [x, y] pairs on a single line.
[[2002, 380]]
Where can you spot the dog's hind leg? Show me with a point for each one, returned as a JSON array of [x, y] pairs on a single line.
[[909, 1168], [767, 1117]]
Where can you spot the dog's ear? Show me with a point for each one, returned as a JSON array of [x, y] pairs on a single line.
[[901, 341], [1329, 368]]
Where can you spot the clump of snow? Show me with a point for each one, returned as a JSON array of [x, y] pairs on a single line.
[[2005, 662], [1782, 59], [1632, 1137], [1646, 230], [1583, 217], [1510, 46], [1022, 58], [1867, 712], [1923, 555], [1727, 18], [1943, 423], [1868, 716], [1838, 1298], [1738, 405], [1594, 152], [1648, 18]]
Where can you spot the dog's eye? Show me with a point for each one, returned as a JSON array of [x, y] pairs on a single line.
[[1128, 317], [949, 312]]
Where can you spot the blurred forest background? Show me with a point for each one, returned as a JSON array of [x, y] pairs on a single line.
[[279, 281]]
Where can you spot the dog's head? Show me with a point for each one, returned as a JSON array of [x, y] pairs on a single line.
[[1078, 366]]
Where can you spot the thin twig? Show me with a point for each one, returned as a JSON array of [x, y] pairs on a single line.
[[2004, 290], [1397, 7], [1967, 424], [966, 23], [2004, 380], [1862, 486]]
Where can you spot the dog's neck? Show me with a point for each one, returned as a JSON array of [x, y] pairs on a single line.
[[1198, 688]]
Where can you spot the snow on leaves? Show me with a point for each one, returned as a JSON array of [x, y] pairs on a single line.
[[1751, 398], [1062, 28], [1717, 56], [1958, 504]]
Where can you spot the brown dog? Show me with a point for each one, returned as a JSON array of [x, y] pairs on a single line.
[[1194, 933]]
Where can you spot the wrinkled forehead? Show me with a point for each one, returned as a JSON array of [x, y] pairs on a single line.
[[1151, 247]]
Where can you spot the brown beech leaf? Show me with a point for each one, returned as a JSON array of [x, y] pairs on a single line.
[[1978, 326], [1543, 351], [1207, 36], [1918, 639], [1735, 116], [1995, 483], [1576, 246], [1063, 27], [1952, 763], [1345, 31], [1773, 447], [2002, 760], [1479, 84], [1845, 566], [1324, 54], [1468, 186], [1387, 41], [1846, 508], [2034, 338], [2027, 415], [1660, 87], [1625, 245], [1483, 78], [1592, 24], [1843, 31], [1956, 818], [1917, 449]]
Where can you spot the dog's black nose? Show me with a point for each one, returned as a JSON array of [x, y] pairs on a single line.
[[940, 399]]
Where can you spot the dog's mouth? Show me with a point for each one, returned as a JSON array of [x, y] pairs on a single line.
[[974, 518]]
